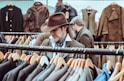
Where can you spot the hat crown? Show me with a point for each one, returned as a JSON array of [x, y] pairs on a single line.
[[57, 19]]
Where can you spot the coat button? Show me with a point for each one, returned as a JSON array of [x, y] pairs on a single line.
[[10, 25], [10, 29], [10, 20]]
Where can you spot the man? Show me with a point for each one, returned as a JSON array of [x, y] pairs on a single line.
[[83, 35], [57, 26]]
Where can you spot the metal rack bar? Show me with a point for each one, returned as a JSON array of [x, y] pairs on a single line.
[[99, 51]]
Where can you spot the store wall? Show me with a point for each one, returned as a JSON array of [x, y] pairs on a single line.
[[98, 5]]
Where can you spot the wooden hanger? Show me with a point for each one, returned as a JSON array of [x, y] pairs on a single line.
[[1, 55], [22, 57], [76, 63], [121, 78], [10, 4], [79, 62], [7, 55], [89, 63], [116, 71], [38, 59], [82, 63], [109, 65], [15, 56], [10, 55], [72, 64], [70, 61], [117, 77], [56, 60], [61, 62], [27, 58], [52, 60], [33, 58]]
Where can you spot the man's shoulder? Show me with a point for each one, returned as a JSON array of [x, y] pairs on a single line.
[[75, 43], [85, 31]]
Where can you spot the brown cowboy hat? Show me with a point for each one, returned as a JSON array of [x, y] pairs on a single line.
[[56, 20]]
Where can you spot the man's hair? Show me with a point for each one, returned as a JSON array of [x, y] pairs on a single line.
[[77, 20]]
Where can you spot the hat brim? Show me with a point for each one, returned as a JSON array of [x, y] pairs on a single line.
[[50, 28]]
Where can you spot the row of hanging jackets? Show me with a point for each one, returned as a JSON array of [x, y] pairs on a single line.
[[29, 40], [28, 68], [12, 19]]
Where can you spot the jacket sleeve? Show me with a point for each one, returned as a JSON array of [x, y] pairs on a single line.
[[40, 38], [102, 25], [28, 17], [122, 22]]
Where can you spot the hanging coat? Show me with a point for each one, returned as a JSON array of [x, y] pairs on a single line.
[[11, 19], [35, 17]]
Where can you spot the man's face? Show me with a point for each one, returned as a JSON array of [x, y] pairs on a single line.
[[58, 34], [74, 27]]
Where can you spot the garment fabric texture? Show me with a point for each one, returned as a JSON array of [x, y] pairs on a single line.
[[111, 24], [59, 73], [105, 75], [26, 71], [13, 74], [35, 17], [11, 18], [5, 67], [62, 8], [89, 74], [35, 72], [89, 19], [70, 43]]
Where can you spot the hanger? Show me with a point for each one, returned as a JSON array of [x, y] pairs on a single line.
[[89, 63], [116, 70], [109, 65], [10, 4], [7, 55], [55, 60], [33, 58], [82, 63], [44, 60], [61, 61], [10, 55], [66, 4], [52, 60], [79, 62], [38, 59], [89, 8], [113, 3], [1, 55], [70, 61], [27, 58], [76, 63], [117, 77], [14, 56], [121, 78], [72, 64], [22, 56]]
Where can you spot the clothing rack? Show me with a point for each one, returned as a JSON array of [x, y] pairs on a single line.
[[99, 51], [106, 43], [20, 33]]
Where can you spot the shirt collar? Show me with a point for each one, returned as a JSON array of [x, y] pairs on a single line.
[[68, 38]]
